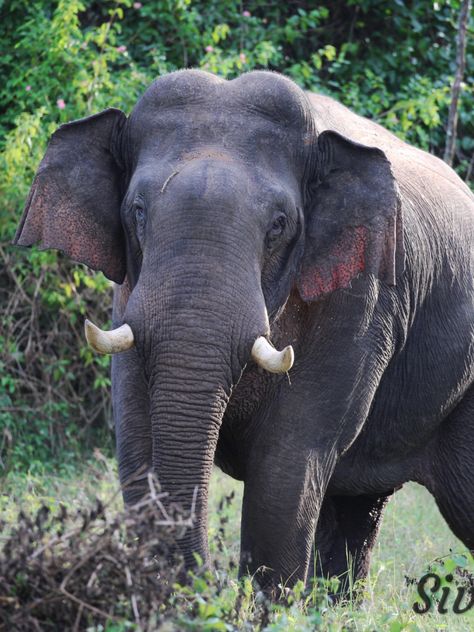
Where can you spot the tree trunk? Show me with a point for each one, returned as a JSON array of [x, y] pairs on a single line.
[[456, 89]]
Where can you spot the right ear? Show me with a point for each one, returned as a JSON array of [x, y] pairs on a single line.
[[74, 201]]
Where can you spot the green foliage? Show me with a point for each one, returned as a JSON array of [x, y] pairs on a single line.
[[64, 59], [54, 393]]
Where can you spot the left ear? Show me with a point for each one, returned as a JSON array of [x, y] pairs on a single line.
[[353, 219], [74, 201]]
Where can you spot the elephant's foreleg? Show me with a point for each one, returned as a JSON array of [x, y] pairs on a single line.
[[345, 535], [132, 425], [285, 481], [131, 408], [309, 422], [279, 516]]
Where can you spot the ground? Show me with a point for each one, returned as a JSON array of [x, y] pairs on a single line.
[[413, 535]]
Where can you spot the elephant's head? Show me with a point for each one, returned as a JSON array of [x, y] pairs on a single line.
[[214, 198]]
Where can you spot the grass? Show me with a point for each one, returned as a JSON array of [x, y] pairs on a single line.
[[413, 535]]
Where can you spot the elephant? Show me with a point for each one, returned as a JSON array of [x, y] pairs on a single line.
[[239, 217]]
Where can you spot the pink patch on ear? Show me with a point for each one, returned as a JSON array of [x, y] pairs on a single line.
[[338, 267]]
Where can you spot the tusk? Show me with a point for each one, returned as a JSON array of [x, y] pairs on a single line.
[[114, 341], [270, 359]]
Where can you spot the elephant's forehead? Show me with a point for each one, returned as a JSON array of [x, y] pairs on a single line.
[[191, 107], [269, 94]]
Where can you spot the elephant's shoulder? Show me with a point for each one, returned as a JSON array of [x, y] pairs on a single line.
[[329, 114]]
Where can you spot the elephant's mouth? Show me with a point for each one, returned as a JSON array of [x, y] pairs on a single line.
[[122, 339]]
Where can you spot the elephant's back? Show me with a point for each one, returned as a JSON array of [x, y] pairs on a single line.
[[408, 162]]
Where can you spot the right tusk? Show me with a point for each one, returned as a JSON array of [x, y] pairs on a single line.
[[270, 359], [114, 341]]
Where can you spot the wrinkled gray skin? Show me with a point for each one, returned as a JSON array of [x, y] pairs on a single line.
[[219, 202]]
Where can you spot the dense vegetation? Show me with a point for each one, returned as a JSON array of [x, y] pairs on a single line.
[[64, 59]]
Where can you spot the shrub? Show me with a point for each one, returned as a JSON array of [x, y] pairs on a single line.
[[59, 571]]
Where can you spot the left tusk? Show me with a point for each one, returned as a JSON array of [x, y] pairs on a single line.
[[270, 359], [114, 341]]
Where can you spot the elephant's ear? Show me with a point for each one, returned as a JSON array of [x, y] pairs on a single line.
[[353, 219], [74, 201]]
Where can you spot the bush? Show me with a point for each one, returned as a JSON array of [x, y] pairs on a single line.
[[90, 568], [48, 411]]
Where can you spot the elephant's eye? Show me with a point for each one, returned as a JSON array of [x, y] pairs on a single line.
[[277, 227], [140, 219], [139, 215]]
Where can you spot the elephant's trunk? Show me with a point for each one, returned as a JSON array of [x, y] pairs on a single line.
[[193, 347], [190, 381], [187, 404]]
